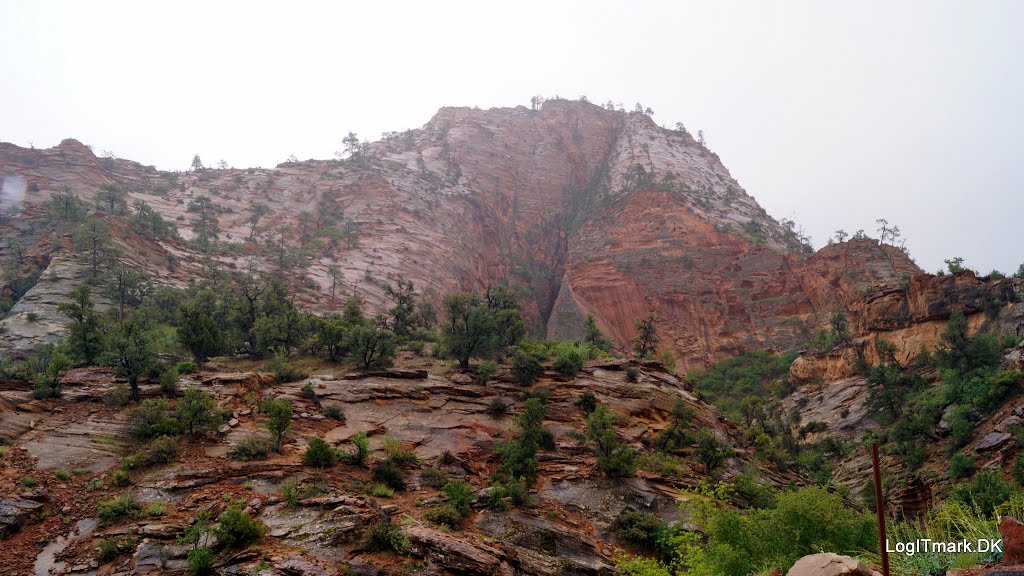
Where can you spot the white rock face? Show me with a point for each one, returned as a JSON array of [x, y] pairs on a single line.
[[828, 564]]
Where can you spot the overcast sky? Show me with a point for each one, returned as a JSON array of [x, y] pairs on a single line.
[[830, 113]]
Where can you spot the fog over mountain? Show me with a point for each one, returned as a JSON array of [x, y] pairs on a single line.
[[832, 115]]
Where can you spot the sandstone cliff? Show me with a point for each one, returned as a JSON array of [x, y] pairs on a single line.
[[584, 210]]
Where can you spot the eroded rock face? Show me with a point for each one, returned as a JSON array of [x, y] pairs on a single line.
[[561, 201], [568, 528]]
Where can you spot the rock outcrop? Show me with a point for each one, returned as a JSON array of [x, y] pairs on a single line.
[[568, 528], [828, 564], [584, 210]]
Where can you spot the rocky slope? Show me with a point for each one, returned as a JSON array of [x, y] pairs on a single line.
[[568, 529], [584, 210]]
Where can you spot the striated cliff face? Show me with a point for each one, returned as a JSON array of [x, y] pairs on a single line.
[[583, 210]]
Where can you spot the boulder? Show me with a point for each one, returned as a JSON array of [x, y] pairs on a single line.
[[454, 554], [1012, 531], [992, 441], [15, 513], [829, 564]]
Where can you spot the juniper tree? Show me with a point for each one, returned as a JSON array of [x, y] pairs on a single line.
[[645, 343], [86, 336]]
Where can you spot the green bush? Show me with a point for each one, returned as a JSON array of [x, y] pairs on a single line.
[[362, 449], [251, 447], [961, 465], [756, 374], [119, 508], [110, 548], [186, 367], [642, 528], [334, 412], [675, 436], [446, 515], [710, 452], [588, 402], [513, 489], [400, 456], [486, 371], [319, 454], [460, 495], [384, 536], [754, 493], [283, 370], [519, 455], [1018, 470], [663, 464], [614, 457], [290, 492], [161, 450], [200, 561], [308, 392], [433, 478], [169, 381], [153, 418], [237, 528], [986, 491], [370, 347], [118, 395], [381, 491], [390, 474], [197, 412], [497, 408], [632, 374], [279, 419], [570, 358], [120, 478], [527, 361], [803, 522]]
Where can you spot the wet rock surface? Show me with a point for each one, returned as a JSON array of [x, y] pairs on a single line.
[[322, 528]]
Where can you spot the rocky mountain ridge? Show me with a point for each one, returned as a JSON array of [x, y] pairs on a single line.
[[583, 210]]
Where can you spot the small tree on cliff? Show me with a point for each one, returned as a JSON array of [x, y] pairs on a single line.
[[955, 265], [592, 335], [469, 328], [257, 211], [886, 232], [93, 241], [112, 198], [478, 327], [645, 343], [197, 411], [279, 419], [86, 332], [132, 351], [197, 164]]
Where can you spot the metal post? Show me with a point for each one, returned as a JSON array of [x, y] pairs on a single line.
[[880, 509]]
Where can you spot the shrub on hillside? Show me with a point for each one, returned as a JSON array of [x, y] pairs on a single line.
[[237, 528], [570, 357], [251, 447], [527, 361], [986, 491], [319, 454], [390, 474], [961, 466]]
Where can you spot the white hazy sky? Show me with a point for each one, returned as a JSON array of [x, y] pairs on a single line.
[[830, 113]]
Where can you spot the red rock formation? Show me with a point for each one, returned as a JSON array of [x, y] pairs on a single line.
[[582, 209]]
